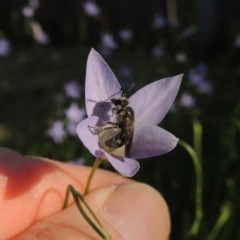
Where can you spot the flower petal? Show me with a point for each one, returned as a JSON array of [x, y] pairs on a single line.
[[152, 102], [101, 84], [128, 167], [151, 140], [87, 136]]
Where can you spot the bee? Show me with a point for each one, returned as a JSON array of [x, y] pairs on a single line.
[[118, 134], [125, 122]]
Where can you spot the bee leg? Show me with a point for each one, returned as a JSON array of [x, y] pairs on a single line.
[[95, 128], [112, 123], [114, 111], [108, 126]]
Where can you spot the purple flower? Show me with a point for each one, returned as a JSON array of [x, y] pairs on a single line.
[[126, 72], [56, 131], [126, 34], [187, 100], [181, 57], [91, 8], [39, 35], [107, 40], [74, 113], [73, 89], [198, 78], [159, 21], [206, 87], [237, 42], [5, 47], [150, 105], [157, 51], [27, 11]]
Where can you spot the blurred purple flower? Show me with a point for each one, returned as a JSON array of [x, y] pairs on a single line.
[[126, 72], [157, 51], [5, 47], [181, 57], [237, 42], [126, 34], [205, 87], [159, 21], [74, 113], [150, 105], [195, 77], [73, 89], [108, 41], [56, 131], [27, 11], [198, 78], [187, 100], [39, 35], [91, 8]]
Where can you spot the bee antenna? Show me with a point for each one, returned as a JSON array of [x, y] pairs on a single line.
[[130, 87], [125, 93]]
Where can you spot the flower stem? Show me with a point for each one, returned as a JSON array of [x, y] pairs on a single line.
[[226, 210], [96, 164], [197, 138], [77, 198], [199, 184]]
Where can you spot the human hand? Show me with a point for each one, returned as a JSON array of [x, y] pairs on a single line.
[[32, 192]]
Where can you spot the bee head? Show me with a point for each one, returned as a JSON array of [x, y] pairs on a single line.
[[122, 101]]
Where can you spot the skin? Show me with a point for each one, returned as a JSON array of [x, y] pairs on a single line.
[[32, 192]]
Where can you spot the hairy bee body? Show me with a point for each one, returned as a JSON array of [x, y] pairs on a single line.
[[116, 137], [124, 121]]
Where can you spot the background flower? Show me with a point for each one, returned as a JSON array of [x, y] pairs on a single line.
[[91, 8], [5, 47], [73, 89], [74, 113], [56, 131]]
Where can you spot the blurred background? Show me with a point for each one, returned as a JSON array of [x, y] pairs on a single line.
[[43, 51]]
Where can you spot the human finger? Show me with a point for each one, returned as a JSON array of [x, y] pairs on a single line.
[[128, 211], [32, 188]]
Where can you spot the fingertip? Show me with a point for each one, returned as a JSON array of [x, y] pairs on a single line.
[[137, 211]]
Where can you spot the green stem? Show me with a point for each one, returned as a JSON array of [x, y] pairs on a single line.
[[77, 197], [94, 168], [95, 217], [197, 138], [223, 218], [67, 195], [199, 184]]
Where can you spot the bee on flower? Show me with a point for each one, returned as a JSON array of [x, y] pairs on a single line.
[[112, 126]]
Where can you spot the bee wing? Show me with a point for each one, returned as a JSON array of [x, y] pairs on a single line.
[[128, 139]]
